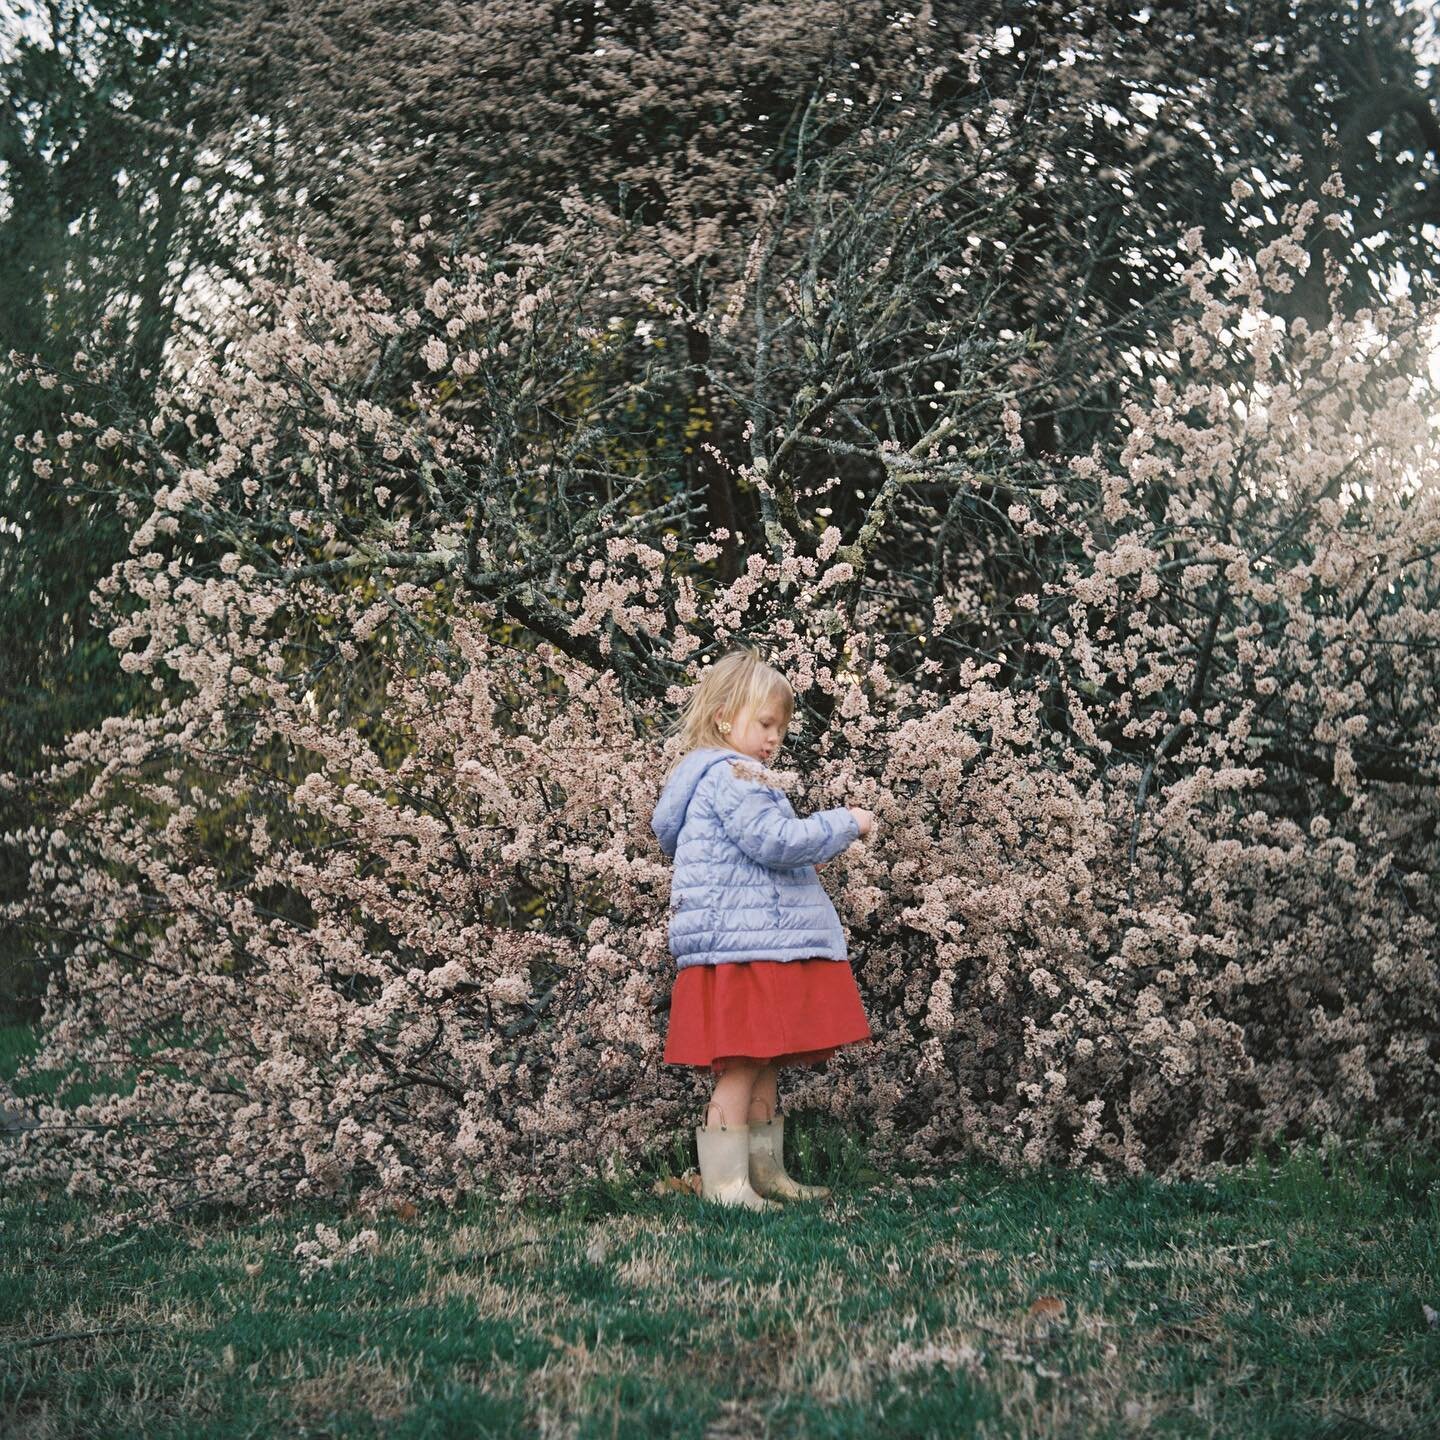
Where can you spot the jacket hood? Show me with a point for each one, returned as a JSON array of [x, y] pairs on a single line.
[[675, 798]]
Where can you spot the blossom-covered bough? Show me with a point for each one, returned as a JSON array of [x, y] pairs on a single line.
[[366, 903]]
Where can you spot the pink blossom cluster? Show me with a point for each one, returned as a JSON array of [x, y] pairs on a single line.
[[368, 905]]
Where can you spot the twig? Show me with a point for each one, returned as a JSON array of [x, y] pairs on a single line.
[[62, 1335], [489, 1254]]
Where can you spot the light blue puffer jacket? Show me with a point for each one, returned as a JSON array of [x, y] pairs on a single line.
[[745, 886]]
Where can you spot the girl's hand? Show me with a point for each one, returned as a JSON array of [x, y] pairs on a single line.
[[865, 819]]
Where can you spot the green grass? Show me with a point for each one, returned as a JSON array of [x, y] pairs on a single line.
[[1287, 1301]]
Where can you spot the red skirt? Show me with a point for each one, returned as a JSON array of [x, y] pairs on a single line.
[[792, 1012]]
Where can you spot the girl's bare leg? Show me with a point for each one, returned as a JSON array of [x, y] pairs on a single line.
[[765, 1094], [730, 1101]]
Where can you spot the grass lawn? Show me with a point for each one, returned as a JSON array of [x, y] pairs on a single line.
[[1289, 1301]]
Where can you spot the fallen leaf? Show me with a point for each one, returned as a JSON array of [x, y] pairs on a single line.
[[687, 1184]]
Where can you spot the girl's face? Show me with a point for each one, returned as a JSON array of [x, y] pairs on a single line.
[[759, 733]]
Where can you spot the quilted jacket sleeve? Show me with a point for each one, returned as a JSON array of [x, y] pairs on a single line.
[[752, 816]]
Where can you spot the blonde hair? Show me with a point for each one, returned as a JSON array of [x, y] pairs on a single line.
[[740, 680]]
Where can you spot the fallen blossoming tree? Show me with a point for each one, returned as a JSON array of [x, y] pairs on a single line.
[[367, 904]]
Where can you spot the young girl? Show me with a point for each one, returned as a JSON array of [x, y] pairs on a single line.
[[763, 978]]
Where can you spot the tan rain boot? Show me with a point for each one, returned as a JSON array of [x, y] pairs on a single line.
[[724, 1152], [767, 1164]]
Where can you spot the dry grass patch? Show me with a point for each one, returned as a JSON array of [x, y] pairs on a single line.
[[365, 1383], [511, 1235], [650, 1267], [561, 1389], [533, 1309]]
